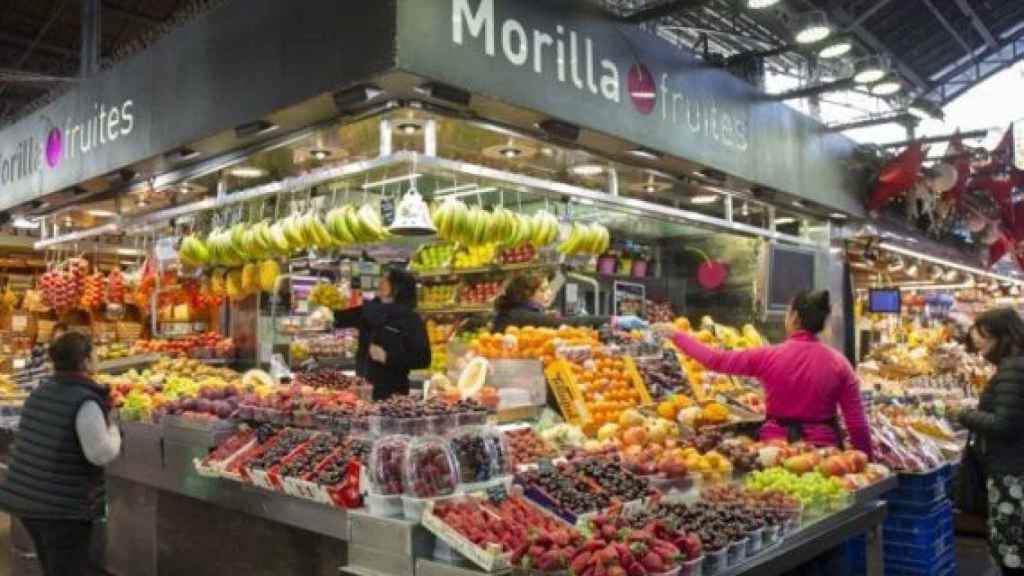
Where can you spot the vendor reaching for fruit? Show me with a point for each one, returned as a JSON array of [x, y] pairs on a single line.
[[392, 337], [525, 301], [804, 380]]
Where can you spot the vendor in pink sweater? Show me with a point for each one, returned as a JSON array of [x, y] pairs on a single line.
[[804, 380]]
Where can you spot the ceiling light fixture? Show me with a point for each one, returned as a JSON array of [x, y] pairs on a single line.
[[319, 154], [23, 223], [812, 27], [587, 169], [869, 70], [761, 4], [837, 47], [837, 216], [395, 180], [182, 154], [510, 152], [257, 128], [408, 127], [247, 172], [926, 109], [702, 199], [785, 220], [644, 154], [886, 88], [101, 213]]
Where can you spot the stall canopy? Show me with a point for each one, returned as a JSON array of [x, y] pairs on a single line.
[[245, 61]]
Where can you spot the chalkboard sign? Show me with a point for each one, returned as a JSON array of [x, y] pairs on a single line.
[[387, 211], [497, 494]]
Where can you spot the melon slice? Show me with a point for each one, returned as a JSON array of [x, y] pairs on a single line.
[[473, 377]]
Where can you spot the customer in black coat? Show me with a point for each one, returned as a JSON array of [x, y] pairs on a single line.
[[392, 337], [998, 425]]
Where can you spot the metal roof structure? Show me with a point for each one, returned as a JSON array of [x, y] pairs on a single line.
[[41, 42], [938, 49]]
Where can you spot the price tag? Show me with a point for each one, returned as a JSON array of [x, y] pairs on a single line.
[[387, 211], [19, 323]]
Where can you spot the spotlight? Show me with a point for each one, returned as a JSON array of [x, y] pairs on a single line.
[[644, 154], [869, 70], [812, 27], [182, 154], [446, 93], [319, 154], [761, 4], [587, 169], [703, 199], [354, 96]]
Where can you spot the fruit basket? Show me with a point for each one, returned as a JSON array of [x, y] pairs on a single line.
[[258, 469], [304, 460]]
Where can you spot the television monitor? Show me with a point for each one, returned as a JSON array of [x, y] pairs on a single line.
[[790, 271], [884, 301]]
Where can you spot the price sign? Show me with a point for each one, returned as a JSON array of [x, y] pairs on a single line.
[[387, 211], [497, 493]]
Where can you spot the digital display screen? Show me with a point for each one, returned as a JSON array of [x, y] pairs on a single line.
[[791, 271], [884, 301]]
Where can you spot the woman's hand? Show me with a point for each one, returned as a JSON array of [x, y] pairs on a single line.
[[665, 330], [377, 354]]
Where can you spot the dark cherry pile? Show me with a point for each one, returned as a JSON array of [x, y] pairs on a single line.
[[717, 525], [332, 379], [402, 407], [471, 452], [663, 375], [332, 472], [287, 441], [318, 449], [614, 479], [569, 493]]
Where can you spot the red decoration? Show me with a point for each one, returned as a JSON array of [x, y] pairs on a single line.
[[897, 176]]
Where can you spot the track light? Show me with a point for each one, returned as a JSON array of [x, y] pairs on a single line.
[[761, 4], [257, 128], [886, 88], [182, 154], [355, 96], [836, 47], [869, 70], [812, 27], [445, 92]]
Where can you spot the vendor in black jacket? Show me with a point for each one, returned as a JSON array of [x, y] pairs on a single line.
[[392, 337], [998, 425], [524, 303]]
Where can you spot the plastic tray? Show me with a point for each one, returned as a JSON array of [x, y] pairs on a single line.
[[941, 566], [715, 562], [737, 553], [900, 552], [693, 567], [918, 495], [939, 476], [755, 542], [772, 536]]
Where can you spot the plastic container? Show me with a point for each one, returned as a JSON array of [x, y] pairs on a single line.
[[481, 453], [429, 469], [715, 562], [693, 567], [755, 542], [914, 522], [772, 535], [387, 459], [921, 535], [922, 554], [386, 506], [737, 553], [941, 566], [477, 418]]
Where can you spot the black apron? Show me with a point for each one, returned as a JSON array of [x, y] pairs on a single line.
[[795, 428]]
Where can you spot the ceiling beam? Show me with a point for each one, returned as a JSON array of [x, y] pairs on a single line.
[[871, 11], [661, 11], [42, 47], [843, 18], [949, 28], [980, 26], [138, 17]]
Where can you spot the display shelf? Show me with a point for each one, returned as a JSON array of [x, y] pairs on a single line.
[[122, 364], [492, 269], [489, 309]]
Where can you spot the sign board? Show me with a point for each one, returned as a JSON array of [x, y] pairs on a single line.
[[562, 60], [629, 298], [387, 211]]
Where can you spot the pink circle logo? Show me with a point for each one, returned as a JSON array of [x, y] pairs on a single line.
[[54, 147], [642, 89]]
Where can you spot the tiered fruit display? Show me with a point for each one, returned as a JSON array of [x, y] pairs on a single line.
[[438, 334], [526, 446], [586, 239], [207, 344], [647, 446], [475, 256], [480, 292], [521, 254], [437, 295], [530, 342], [328, 379], [457, 222], [113, 351], [432, 257]]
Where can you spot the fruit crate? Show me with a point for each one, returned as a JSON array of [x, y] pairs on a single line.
[[238, 469], [911, 510], [926, 531], [266, 478], [944, 565], [899, 520], [489, 559], [897, 551]]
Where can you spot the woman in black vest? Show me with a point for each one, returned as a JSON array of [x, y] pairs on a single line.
[[392, 337], [998, 426], [55, 483]]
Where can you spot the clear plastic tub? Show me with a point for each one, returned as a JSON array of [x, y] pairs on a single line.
[[737, 553], [772, 535], [385, 506], [693, 567], [481, 453], [755, 542], [715, 562], [430, 469], [386, 466]]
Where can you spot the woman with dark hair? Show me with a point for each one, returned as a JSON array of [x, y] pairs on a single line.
[[998, 429], [55, 482], [804, 380], [524, 303], [392, 337]]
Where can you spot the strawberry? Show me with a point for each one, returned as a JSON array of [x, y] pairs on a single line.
[[636, 569], [580, 562], [616, 571], [654, 563]]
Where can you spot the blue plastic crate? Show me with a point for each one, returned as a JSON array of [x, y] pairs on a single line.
[[899, 551], [918, 495], [922, 535], [918, 511], [855, 554], [942, 566], [900, 518], [922, 481]]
